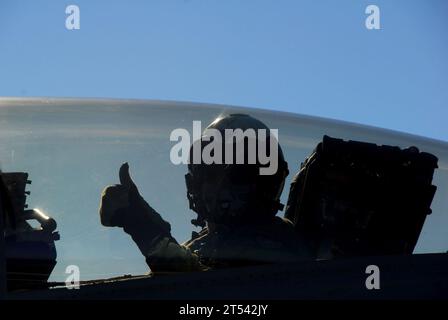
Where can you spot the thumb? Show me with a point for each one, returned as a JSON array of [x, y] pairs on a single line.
[[125, 178]]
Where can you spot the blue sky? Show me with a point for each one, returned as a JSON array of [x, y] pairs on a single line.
[[310, 57]]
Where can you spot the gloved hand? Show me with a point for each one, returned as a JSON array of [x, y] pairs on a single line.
[[123, 206]]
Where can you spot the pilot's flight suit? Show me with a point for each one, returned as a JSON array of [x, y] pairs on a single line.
[[271, 241]]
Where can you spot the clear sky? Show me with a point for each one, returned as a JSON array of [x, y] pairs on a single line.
[[311, 57]]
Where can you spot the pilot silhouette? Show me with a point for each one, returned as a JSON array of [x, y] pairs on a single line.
[[236, 207]]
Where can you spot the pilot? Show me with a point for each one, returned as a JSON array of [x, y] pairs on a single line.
[[236, 207]]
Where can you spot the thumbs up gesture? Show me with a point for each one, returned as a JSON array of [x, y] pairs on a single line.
[[123, 206], [116, 199]]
